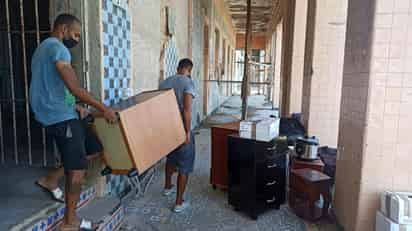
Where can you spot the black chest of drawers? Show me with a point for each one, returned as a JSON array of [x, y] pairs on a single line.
[[257, 174]]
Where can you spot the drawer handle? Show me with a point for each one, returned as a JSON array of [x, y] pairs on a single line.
[[271, 201], [272, 166], [271, 183], [272, 148]]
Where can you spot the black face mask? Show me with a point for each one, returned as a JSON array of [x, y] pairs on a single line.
[[70, 43]]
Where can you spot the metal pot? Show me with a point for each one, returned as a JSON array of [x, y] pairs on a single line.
[[307, 148]]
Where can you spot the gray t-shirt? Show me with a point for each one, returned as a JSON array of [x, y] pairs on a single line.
[[181, 84]]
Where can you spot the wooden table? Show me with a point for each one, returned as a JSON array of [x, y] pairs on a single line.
[[308, 185], [315, 164], [219, 165]]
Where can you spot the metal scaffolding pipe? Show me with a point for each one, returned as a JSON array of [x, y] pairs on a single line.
[[246, 77]]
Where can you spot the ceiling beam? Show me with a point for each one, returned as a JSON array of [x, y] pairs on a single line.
[[260, 13]]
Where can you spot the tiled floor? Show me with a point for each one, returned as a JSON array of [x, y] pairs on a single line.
[[209, 208]]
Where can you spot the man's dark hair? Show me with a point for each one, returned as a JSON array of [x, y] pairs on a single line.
[[185, 63], [65, 19]]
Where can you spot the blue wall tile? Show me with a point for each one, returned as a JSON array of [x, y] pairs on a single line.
[[115, 19]]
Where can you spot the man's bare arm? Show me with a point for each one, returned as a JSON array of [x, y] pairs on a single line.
[[187, 112], [69, 78]]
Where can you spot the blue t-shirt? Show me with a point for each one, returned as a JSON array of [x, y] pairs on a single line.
[[181, 84], [50, 100]]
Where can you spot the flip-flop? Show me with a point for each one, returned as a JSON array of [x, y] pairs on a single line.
[[86, 225], [83, 226], [56, 194]]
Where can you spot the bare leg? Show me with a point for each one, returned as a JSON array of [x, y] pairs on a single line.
[[72, 190], [93, 156], [181, 186], [52, 179], [170, 169]]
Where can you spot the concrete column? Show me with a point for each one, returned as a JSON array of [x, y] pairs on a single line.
[[288, 9], [324, 68], [299, 38], [376, 111], [277, 57]]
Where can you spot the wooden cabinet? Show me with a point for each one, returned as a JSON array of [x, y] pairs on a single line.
[[150, 127], [306, 186], [257, 174], [218, 170]]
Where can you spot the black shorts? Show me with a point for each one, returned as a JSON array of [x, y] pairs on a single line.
[[74, 141], [183, 158]]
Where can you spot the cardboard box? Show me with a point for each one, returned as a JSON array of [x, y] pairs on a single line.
[[150, 127], [263, 130], [247, 129], [267, 129], [385, 224]]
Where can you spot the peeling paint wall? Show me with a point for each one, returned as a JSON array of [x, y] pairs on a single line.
[[198, 21], [145, 44], [219, 19], [153, 55]]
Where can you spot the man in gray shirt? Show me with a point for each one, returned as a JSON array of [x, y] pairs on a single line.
[[182, 159]]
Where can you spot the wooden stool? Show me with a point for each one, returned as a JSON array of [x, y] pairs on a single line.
[[315, 164], [309, 184]]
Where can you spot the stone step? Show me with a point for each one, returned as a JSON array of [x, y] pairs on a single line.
[[108, 210]]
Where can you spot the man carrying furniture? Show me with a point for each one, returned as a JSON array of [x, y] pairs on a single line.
[[53, 89], [182, 159]]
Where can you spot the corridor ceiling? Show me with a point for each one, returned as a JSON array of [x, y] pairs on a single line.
[[261, 14]]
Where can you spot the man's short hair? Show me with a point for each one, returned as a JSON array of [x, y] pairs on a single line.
[[185, 63], [65, 19]]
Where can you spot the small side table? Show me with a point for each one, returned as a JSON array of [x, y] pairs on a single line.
[[315, 164], [308, 185]]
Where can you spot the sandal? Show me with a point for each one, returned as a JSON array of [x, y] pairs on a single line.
[[55, 194]]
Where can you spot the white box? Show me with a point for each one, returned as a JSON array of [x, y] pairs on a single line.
[[263, 129], [267, 129], [247, 129], [397, 206], [385, 224], [247, 126]]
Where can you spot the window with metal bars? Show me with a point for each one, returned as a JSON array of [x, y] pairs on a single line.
[[23, 25]]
